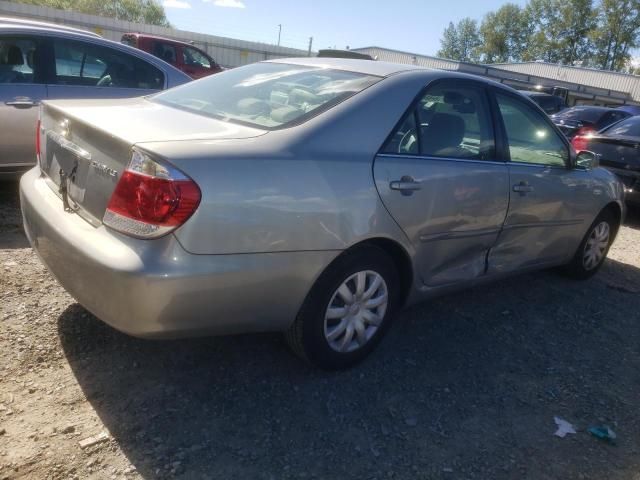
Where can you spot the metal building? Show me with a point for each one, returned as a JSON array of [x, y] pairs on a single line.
[[228, 52], [584, 85]]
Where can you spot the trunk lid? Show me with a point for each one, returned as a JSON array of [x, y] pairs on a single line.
[[86, 144]]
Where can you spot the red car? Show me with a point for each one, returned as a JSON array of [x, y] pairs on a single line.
[[191, 60]]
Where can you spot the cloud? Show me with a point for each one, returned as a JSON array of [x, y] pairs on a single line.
[[175, 4], [229, 3]]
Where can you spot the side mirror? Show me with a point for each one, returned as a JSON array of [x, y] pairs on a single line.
[[587, 160]]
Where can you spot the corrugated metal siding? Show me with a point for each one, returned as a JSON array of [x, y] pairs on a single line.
[[586, 76], [229, 52], [606, 89]]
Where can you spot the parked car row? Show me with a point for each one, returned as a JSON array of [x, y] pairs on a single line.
[[46, 62], [613, 134], [185, 57]]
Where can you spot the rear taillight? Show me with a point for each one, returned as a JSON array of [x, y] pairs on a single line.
[[38, 141], [581, 141], [151, 198]]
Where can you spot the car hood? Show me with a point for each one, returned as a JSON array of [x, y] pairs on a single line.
[[139, 120]]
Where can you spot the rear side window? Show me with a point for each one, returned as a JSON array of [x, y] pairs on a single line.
[[79, 63], [449, 121], [531, 139], [165, 51], [17, 60]]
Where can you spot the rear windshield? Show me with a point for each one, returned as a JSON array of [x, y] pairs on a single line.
[[584, 114], [266, 95], [629, 127]]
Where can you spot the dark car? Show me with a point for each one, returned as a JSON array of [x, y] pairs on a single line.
[[618, 149], [549, 103], [184, 56], [584, 119], [632, 109]]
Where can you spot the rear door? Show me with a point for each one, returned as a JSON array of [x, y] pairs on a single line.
[[21, 91], [550, 202], [88, 70], [439, 178]]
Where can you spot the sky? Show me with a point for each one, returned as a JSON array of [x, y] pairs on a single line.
[[410, 25]]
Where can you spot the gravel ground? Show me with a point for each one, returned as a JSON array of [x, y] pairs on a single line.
[[465, 386]]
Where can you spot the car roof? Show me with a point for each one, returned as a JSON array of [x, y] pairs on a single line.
[[530, 93], [156, 37], [12, 21]]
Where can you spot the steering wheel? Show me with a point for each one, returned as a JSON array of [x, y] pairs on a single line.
[[409, 142], [105, 81]]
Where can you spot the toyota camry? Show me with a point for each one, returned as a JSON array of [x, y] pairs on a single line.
[[312, 196]]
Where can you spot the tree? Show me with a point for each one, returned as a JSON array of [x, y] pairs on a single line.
[[140, 11], [617, 33], [559, 30], [449, 43], [504, 34], [468, 40], [460, 42]]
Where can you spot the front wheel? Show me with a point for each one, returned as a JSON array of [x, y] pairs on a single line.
[[347, 311], [594, 247]]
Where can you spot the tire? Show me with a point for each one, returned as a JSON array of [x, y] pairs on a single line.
[[322, 342], [579, 267]]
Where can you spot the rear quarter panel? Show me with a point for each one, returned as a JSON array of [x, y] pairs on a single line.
[[308, 187]]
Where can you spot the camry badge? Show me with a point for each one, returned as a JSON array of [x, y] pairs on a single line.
[[104, 170]]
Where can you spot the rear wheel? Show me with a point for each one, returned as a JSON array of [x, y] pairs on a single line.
[[594, 247], [348, 309]]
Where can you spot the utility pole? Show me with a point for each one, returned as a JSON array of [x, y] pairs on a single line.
[[310, 45], [279, 32]]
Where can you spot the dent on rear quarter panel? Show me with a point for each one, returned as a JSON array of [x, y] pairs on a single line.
[[308, 187]]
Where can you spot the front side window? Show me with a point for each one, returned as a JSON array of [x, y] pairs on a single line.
[[448, 121], [530, 138], [17, 57], [79, 63], [267, 95], [195, 58]]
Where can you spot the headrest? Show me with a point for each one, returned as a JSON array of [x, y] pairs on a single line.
[[444, 131]]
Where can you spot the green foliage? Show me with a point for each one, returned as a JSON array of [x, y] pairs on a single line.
[[597, 33], [504, 34], [461, 42], [617, 32], [140, 11]]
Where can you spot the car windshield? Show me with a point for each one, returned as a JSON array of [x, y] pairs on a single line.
[[629, 127], [584, 114], [267, 95]]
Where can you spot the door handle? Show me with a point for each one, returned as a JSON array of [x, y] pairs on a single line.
[[21, 103], [522, 188], [406, 185]]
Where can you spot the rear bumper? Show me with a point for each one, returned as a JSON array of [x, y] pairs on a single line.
[[154, 288]]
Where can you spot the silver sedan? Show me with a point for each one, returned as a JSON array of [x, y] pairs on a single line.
[[314, 197]]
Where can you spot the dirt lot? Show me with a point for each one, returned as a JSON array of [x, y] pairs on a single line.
[[466, 386]]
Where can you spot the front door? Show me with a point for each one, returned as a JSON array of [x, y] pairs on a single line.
[[549, 207], [438, 177], [21, 91]]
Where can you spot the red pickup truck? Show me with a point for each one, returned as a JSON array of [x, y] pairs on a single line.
[[191, 60]]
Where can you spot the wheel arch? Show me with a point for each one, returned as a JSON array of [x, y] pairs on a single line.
[[616, 210], [400, 257]]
